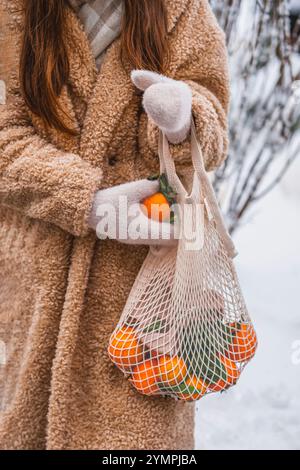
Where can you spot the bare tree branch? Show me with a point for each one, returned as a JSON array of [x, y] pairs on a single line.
[[264, 116]]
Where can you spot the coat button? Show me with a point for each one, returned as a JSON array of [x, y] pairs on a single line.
[[112, 160]]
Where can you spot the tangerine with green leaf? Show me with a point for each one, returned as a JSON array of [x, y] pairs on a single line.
[[195, 388], [158, 206]]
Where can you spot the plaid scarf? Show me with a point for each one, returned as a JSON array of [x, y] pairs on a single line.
[[102, 23]]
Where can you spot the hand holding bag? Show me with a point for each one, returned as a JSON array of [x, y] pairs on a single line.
[[185, 330]]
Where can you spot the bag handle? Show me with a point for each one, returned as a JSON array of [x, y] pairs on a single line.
[[167, 165], [209, 192]]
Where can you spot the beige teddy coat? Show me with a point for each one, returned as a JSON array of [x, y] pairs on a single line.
[[61, 289]]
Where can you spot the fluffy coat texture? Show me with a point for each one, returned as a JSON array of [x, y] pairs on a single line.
[[61, 289]]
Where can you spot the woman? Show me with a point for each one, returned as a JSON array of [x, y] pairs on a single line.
[[75, 123]]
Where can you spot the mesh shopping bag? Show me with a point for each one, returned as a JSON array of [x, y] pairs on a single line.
[[185, 330]]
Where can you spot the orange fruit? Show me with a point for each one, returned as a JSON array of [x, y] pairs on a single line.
[[172, 370], [197, 389], [244, 344], [218, 386], [124, 348], [144, 377], [232, 375], [157, 207]]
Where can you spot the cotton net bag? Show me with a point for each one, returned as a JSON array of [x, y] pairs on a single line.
[[185, 330]]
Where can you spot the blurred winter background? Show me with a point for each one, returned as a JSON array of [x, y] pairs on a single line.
[[259, 189]]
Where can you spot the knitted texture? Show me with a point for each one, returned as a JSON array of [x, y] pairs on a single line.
[[167, 102], [102, 23], [62, 290], [132, 226]]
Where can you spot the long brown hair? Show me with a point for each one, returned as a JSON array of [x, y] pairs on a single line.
[[44, 65]]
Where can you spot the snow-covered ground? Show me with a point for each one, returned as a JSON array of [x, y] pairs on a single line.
[[263, 410]]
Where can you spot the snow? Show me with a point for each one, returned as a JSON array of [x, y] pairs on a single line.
[[295, 5], [263, 410]]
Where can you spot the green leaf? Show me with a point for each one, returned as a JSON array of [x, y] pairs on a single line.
[[208, 341], [166, 189], [175, 389], [172, 217], [153, 177], [155, 326]]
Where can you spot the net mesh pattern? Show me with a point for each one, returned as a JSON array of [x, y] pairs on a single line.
[[185, 330]]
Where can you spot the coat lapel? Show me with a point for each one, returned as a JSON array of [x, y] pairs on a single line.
[[108, 93], [83, 70]]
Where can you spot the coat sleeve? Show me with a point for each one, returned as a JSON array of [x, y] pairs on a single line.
[[37, 178], [200, 55]]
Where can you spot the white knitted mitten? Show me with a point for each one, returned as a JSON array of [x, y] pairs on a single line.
[[116, 214], [167, 102]]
